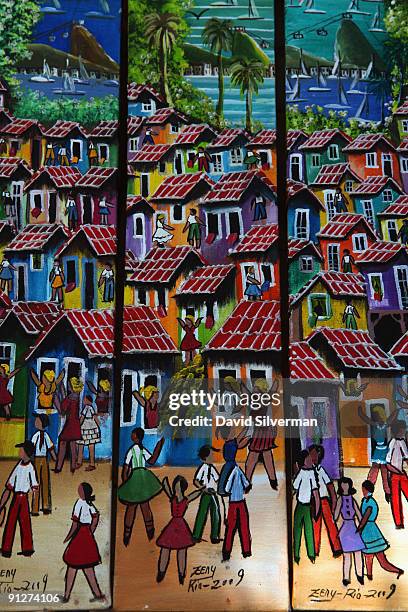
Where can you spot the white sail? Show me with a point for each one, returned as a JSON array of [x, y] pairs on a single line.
[[82, 70], [320, 78], [295, 95], [363, 109], [310, 8], [342, 95], [334, 72], [369, 69], [288, 85], [104, 6]]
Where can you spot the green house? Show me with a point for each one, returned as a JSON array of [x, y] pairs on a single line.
[[321, 148], [401, 120], [305, 261], [187, 144]]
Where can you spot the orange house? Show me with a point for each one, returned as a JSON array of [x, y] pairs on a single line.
[[156, 279], [258, 250], [345, 231], [165, 125], [373, 155], [24, 139]]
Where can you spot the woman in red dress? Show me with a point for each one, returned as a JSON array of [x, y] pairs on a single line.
[[82, 551], [71, 432], [177, 534], [6, 399], [189, 343]]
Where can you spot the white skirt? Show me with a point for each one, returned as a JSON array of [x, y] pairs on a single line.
[[90, 432]]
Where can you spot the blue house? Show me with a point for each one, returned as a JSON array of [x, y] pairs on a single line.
[[71, 136], [228, 152], [32, 254], [143, 100], [373, 195], [304, 209]]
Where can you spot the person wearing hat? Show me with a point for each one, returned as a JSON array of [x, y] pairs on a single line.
[[43, 446], [21, 481]]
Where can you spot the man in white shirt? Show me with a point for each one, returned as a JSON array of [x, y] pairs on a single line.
[[21, 481], [63, 157], [44, 446], [305, 485], [207, 476], [396, 455]]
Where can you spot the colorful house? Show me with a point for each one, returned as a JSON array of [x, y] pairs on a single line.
[[228, 151], [236, 202], [166, 124], [143, 100], [330, 178], [151, 165], [97, 192], [373, 155], [68, 135], [324, 147], [134, 133], [323, 300], [305, 261], [384, 266], [13, 174], [209, 293], [32, 253], [345, 232], [373, 195], [392, 217], [24, 139], [304, 211], [354, 356], [139, 225], [176, 195], [403, 162], [264, 145], [19, 328], [257, 254], [401, 119], [83, 257], [47, 194], [104, 138], [186, 146], [156, 280]]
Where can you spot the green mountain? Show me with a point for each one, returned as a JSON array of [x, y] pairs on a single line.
[[58, 59], [293, 58], [243, 46], [353, 47]]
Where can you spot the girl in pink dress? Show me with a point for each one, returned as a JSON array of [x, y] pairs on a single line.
[[177, 534]]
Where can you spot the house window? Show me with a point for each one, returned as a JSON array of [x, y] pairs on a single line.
[[161, 297], [333, 152], [348, 186], [7, 353], [265, 159], [128, 404], [404, 124], [190, 159], [236, 155], [329, 202], [177, 213], [296, 167], [14, 147], [138, 225], [144, 185], [267, 275], [315, 160], [36, 261], [387, 195], [319, 306], [368, 211], [320, 413], [392, 230], [401, 278], [174, 128], [359, 242], [103, 152], [213, 227], [162, 167], [76, 150], [133, 143], [404, 164], [147, 106], [302, 223], [234, 226], [376, 287], [141, 296], [217, 162], [36, 199], [333, 256], [306, 263], [71, 272], [371, 160]]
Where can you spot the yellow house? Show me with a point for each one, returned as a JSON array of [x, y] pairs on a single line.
[[392, 217], [328, 181], [88, 263], [156, 279], [165, 125], [24, 139], [150, 166], [329, 299]]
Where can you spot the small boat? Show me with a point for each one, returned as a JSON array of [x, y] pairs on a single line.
[[111, 83], [69, 88], [45, 77], [342, 101], [321, 82], [336, 72], [310, 8], [354, 86], [104, 13], [84, 76], [303, 71], [369, 71], [376, 22], [354, 7], [54, 8], [253, 12], [364, 108], [294, 97]]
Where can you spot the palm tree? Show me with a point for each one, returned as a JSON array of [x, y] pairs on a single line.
[[161, 33], [218, 36], [248, 74]]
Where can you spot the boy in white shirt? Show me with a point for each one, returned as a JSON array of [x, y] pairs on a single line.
[[305, 485], [396, 455], [207, 476]]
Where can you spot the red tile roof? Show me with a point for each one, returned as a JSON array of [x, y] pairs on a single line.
[[36, 237], [297, 245], [96, 177], [205, 281], [354, 349], [403, 109], [292, 136], [134, 124], [333, 174], [403, 146], [62, 129], [322, 138], [179, 187], [144, 333], [105, 129], [62, 177], [138, 203], [338, 284], [258, 239], [101, 239], [399, 208], [166, 115], [162, 265], [9, 165], [306, 364], [366, 142], [228, 136], [194, 134], [342, 224], [400, 348], [18, 127], [295, 187], [34, 317], [381, 252], [252, 326], [130, 261], [232, 186], [375, 184], [263, 138], [150, 153], [135, 91]]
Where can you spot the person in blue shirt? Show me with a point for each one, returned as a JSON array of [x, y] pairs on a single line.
[[237, 486]]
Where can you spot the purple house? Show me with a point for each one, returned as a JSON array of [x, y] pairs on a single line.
[[139, 227], [235, 203], [384, 266]]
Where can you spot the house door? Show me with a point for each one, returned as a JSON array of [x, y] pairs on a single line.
[[295, 168], [178, 163], [17, 197], [87, 210], [387, 164], [21, 283], [36, 154], [144, 185], [52, 207], [89, 286], [333, 253], [401, 277]]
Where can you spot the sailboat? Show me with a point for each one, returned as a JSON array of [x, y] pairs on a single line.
[[288, 85], [321, 84], [294, 97], [83, 74], [310, 8], [370, 70], [376, 22], [342, 101], [104, 13], [53, 8], [354, 7], [364, 108], [354, 86], [303, 71], [294, 4], [45, 77], [68, 88], [253, 12]]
